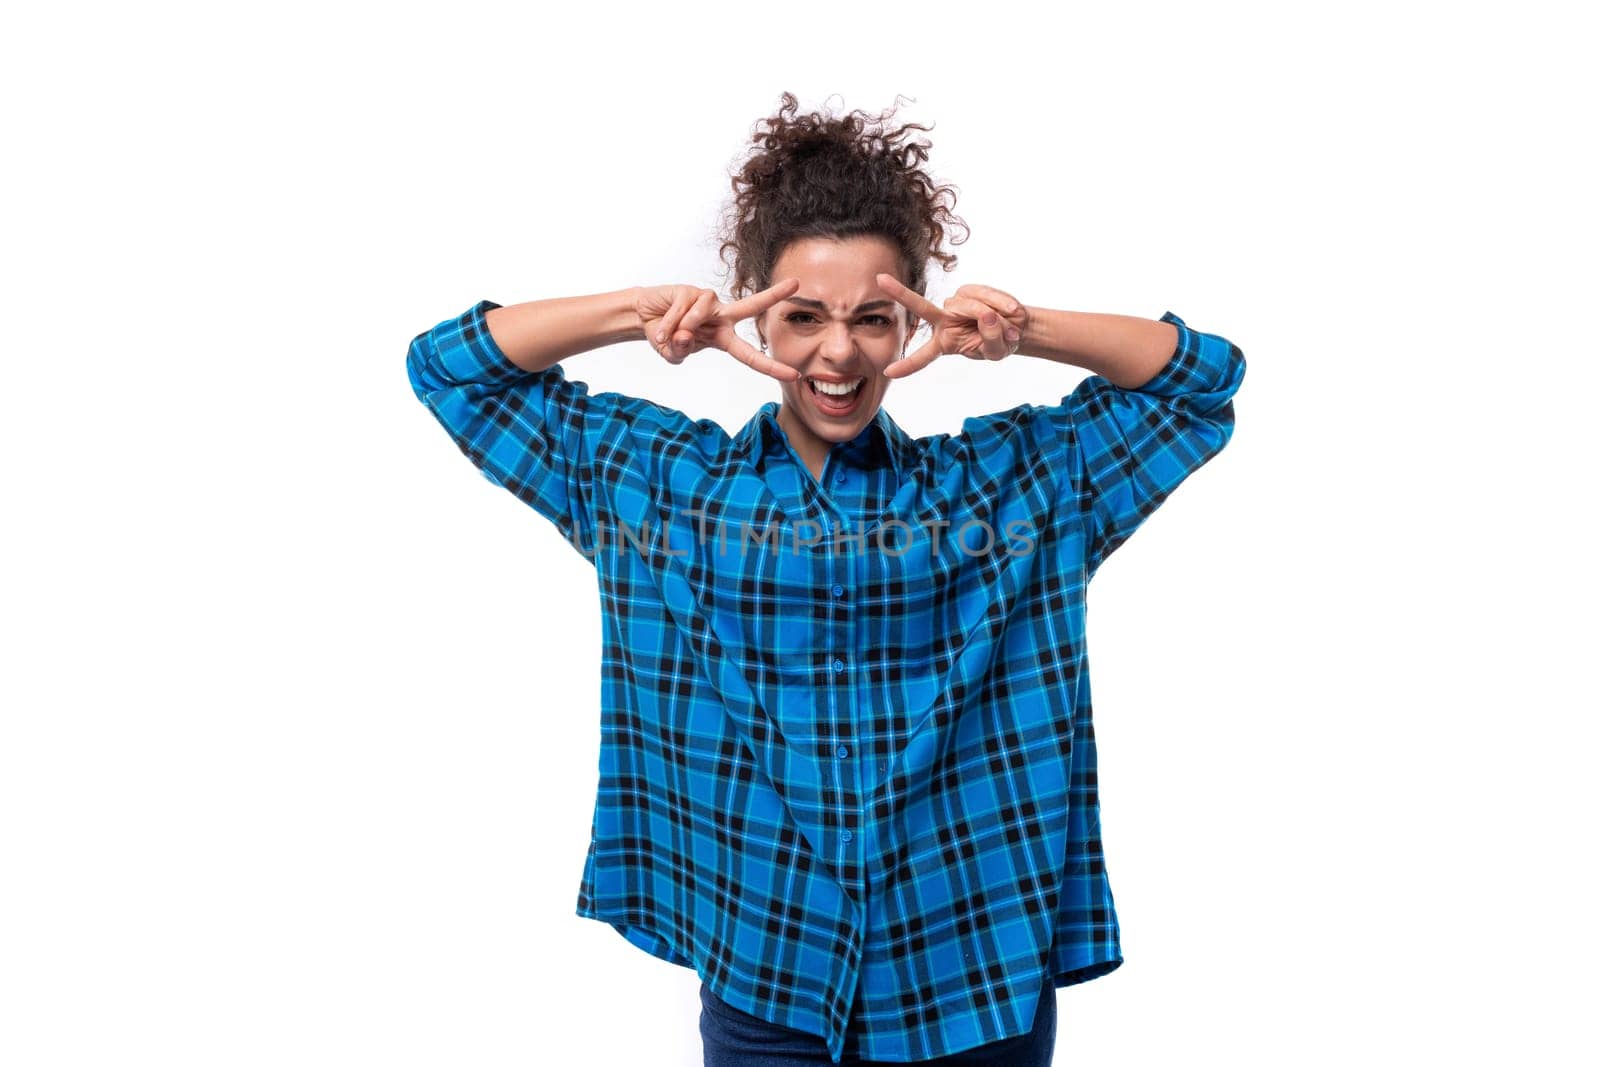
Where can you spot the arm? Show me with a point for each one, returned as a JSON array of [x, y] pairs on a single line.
[[1158, 406], [492, 379], [1125, 350], [538, 334]]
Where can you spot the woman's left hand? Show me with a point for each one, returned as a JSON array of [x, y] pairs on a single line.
[[979, 322]]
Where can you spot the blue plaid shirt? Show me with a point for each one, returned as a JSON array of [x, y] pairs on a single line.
[[847, 762]]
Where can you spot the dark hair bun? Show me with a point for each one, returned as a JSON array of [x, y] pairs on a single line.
[[825, 175]]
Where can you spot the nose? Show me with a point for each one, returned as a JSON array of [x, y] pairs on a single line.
[[836, 347]]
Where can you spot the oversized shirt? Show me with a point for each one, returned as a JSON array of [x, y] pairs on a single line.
[[847, 758]]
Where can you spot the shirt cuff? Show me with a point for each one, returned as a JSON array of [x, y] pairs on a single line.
[[474, 357], [1194, 367]]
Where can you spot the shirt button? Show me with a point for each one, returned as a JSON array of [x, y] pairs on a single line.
[[838, 665], [839, 480], [838, 590], [843, 751], [845, 835]]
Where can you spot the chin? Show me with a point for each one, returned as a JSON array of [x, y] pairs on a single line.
[[837, 432], [842, 430]]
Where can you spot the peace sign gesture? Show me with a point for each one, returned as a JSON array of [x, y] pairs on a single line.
[[679, 320], [979, 321]]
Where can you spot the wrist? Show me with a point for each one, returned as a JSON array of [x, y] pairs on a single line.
[[1028, 343], [626, 325]]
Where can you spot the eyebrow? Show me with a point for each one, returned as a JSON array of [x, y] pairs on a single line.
[[820, 306]]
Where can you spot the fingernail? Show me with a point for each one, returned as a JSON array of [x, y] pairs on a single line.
[[990, 319], [1013, 333]]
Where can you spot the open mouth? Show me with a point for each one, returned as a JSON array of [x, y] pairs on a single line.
[[836, 398]]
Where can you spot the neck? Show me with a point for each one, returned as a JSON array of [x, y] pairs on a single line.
[[811, 449]]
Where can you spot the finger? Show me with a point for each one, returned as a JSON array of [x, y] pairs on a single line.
[[669, 322], [919, 305], [974, 311], [756, 303], [659, 336], [656, 329], [993, 331], [684, 339], [915, 361], [1003, 303], [741, 350], [973, 308]]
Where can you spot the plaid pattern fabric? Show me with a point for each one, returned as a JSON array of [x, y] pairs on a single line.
[[847, 763]]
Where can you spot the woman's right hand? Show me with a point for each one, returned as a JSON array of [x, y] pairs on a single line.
[[679, 320]]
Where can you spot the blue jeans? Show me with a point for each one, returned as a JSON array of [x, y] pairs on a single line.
[[734, 1038]]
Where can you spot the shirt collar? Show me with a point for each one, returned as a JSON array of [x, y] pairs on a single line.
[[880, 442]]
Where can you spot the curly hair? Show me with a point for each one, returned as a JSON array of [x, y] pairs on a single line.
[[819, 175]]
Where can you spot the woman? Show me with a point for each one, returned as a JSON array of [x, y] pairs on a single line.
[[847, 765]]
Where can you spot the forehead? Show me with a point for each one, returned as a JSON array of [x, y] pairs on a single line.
[[842, 271]]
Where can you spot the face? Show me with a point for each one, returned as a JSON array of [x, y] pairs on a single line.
[[839, 329]]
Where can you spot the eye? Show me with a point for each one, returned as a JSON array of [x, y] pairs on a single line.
[[876, 320]]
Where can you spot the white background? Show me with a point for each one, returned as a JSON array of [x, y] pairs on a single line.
[[300, 725]]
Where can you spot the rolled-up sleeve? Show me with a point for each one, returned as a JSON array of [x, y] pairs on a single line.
[[534, 433], [1123, 451]]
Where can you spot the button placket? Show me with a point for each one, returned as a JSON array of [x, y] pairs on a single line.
[[842, 691]]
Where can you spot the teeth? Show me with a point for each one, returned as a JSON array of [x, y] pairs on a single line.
[[835, 388]]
